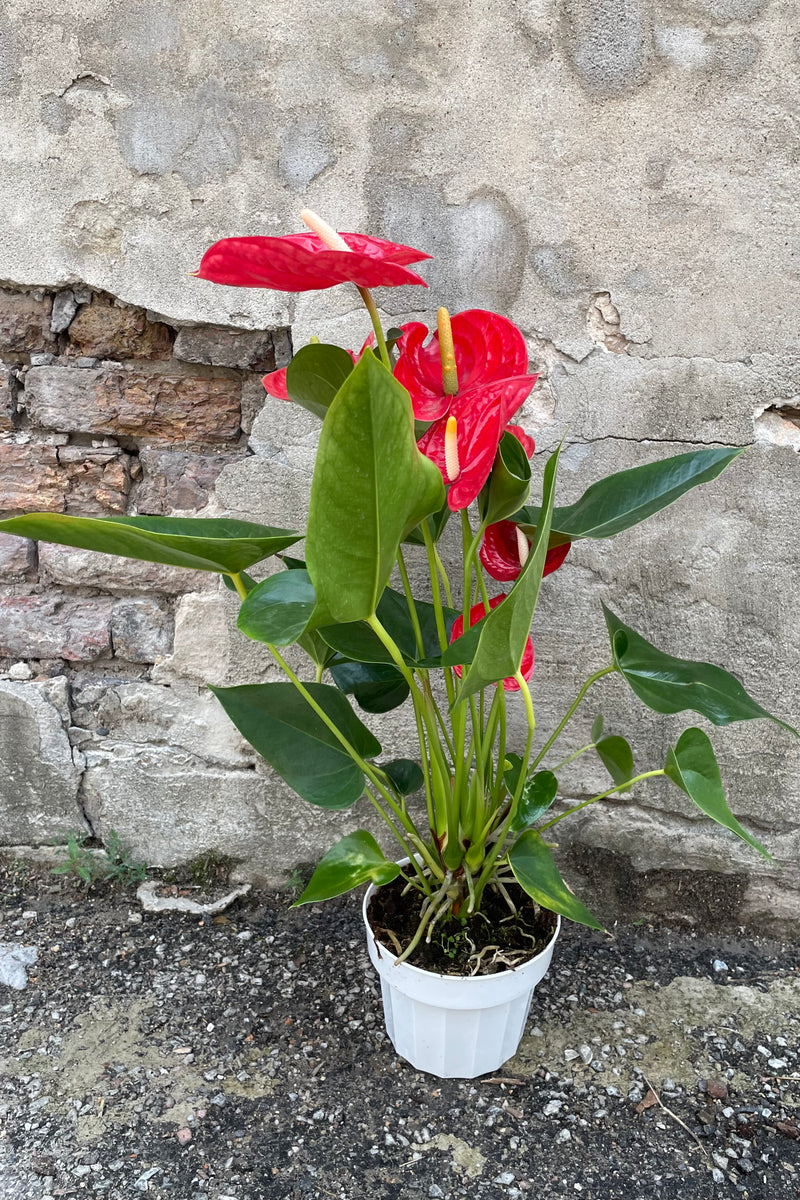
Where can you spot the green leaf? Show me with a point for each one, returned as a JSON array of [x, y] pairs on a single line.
[[617, 758], [537, 874], [672, 685], [278, 610], [692, 765], [405, 774], [371, 486], [315, 375], [357, 641], [597, 727], [538, 794], [375, 687], [628, 497], [317, 650], [506, 628], [356, 859], [509, 484], [202, 543], [286, 731]]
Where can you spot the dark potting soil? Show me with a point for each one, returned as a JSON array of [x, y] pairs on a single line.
[[492, 940]]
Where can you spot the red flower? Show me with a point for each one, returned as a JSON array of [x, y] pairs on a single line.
[[500, 552], [301, 262], [488, 348], [475, 613], [481, 416]]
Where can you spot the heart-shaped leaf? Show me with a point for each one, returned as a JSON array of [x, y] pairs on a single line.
[[505, 630], [371, 486], [356, 859], [315, 375], [538, 794], [278, 610], [375, 687], [672, 685], [201, 543], [692, 765], [282, 726], [622, 500], [617, 758], [537, 874], [405, 774]]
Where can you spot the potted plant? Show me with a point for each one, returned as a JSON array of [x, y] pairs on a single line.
[[417, 433]]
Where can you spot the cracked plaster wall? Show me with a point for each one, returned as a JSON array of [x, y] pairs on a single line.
[[619, 178]]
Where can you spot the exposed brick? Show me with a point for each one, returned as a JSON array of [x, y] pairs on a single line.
[[24, 324], [17, 556], [175, 479], [68, 567], [183, 408], [249, 350], [106, 330], [72, 479], [8, 390], [55, 627], [141, 630]]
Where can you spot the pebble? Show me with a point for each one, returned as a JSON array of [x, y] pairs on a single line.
[[587, 1054], [14, 959], [719, 966], [571, 1055], [552, 1107], [435, 1192], [563, 1135]]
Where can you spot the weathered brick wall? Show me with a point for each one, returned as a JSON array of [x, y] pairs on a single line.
[[104, 410]]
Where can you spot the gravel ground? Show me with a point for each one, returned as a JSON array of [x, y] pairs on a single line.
[[244, 1058]]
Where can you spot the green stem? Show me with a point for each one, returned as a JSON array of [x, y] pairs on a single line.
[[366, 767], [448, 595], [499, 845], [602, 796], [562, 724], [412, 608], [239, 584], [372, 309], [571, 757]]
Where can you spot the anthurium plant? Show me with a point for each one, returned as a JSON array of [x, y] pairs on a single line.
[[417, 430]]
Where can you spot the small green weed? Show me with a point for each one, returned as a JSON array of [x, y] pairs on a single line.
[[83, 865]]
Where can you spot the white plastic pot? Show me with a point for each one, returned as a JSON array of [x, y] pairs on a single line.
[[455, 1026]]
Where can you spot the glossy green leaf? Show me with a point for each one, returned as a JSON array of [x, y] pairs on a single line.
[[672, 685], [537, 797], [617, 758], [315, 375], [692, 765], [278, 610], [506, 628], [537, 874], [405, 774], [356, 859], [597, 727], [509, 484], [628, 497], [371, 486], [282, 726], [375, 687], [357, 641], [201, 543]]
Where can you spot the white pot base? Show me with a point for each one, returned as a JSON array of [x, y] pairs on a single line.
[[453, 1026]]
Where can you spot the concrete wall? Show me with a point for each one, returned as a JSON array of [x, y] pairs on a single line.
[[619, 178]]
